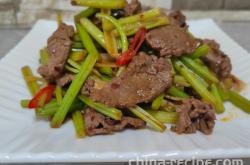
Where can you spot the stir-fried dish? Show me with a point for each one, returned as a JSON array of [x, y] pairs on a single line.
[[124, 67]]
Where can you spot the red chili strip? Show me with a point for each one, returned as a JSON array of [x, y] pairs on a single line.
[[134, 47], [44, 92]]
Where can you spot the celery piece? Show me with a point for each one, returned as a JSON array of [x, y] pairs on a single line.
[[77, 45], [160, 21], [200, 51], [219, 103], [131, 29], [59, 18], [106, 78], [86, 40], [109, 37], [76, 37], [74, 64], [144, 115], [163, 116], [157, 102], [106, 64], [80, 78], [33, 85], [181, 81], [51, 108], [58, 92], [224, 94], [150, 14], [24, 103], [106, 70], [78, 123], [173, 91], [44, 56], [107, 111], [239, 101], [102, 4], [77, 55], [85, 13], [195, 82], [71, 69], [94, 31], [120, 71], [122, 34], [199, 69]]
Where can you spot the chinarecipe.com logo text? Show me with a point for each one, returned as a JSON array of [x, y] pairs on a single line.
[[186, 162]]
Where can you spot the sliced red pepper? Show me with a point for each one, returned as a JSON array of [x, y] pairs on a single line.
[[44, 92], [134, 47]]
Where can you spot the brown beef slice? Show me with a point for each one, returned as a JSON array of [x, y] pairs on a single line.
[[58, 47], [171, 40], [96, 123], [66, 79], [132, 8], [195, 115], [145, 78], [178, 18], [216, 60]]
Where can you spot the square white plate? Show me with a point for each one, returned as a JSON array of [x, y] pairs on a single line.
[[25, 139]]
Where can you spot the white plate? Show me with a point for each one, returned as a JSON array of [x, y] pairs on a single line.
[[25, 139]]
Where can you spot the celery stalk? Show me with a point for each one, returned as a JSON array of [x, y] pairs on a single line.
[[107, 111], [78, 122], [102, 4], [77, 83], [144, 115]]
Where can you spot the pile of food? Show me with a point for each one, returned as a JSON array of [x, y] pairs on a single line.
[[124, 67]]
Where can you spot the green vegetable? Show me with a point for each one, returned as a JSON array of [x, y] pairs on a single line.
[[77, 55], [78, 122], [77, 45], [181, 81], [173, 91], [102, 4], [85, 13], [107, 111], [239, 101], [219, 103], [200, 51], [144, 115], [74, 64], [32, 85], [157, 102], [44, 56], [77, 83], [160, 21], [109, 37], [106, 78], [123, 36], [195, 82], [71, 69], [199, 69], [76, 37], [24, 103], [58, 94], [86, 40], [163, 116], [147, 15], [52, 103], [131, 29], [224, 94], [59, 18], [52, 107], [106, 70], [94, 31], [120, 71]]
